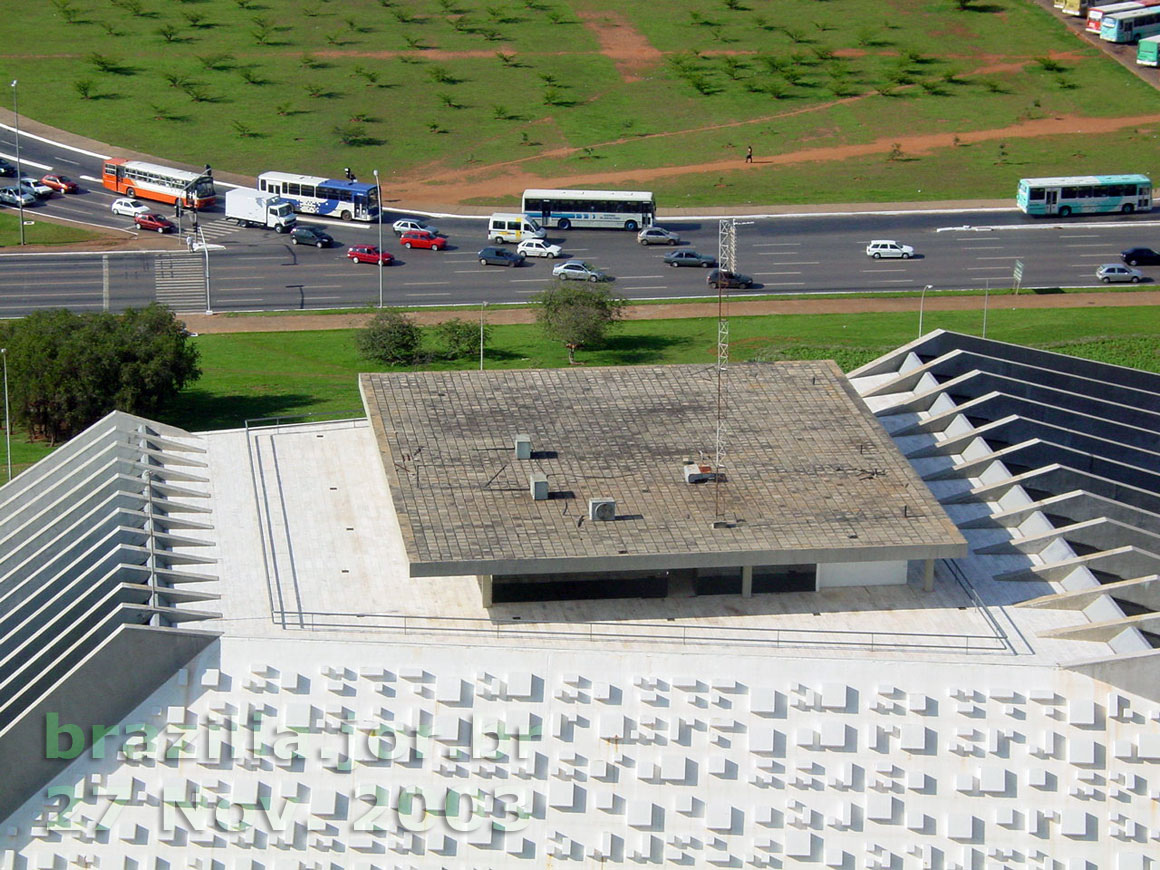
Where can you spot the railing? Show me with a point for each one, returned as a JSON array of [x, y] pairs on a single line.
[[637, 632]]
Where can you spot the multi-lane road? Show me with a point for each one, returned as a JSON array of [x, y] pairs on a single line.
[[259, 269]]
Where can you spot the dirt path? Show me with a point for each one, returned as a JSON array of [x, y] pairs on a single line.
[[201, 323]]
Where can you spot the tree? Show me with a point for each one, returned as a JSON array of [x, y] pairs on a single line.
[[390, 337], [577, 315], [67, 370], [461, 338]]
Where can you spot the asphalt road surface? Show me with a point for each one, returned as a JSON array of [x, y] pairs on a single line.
[[252, 269]]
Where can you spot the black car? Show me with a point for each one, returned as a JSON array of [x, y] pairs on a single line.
[[689, 258], [494, 256], [1140, 257], [728, 280], [303, 235], [6, 169]]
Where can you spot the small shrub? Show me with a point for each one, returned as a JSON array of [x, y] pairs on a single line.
[[391, 337], [84, 88], [461, 338]]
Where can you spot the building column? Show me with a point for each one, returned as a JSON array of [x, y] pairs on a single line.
[[746, 581], [484, 588], [928, 576]]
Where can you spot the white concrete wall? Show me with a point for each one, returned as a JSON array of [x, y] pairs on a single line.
[[862, 574]]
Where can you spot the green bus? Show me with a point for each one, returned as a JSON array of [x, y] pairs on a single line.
[[1084, 194], [1148, 51]]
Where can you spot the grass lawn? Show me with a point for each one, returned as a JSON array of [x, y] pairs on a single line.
[[251, 375], [426, 88], [40, 233]]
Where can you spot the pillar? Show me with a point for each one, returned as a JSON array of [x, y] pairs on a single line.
[[928, 576], [746, 581], [485, 588]]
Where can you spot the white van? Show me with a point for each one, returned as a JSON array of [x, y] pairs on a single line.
[[513, 228]]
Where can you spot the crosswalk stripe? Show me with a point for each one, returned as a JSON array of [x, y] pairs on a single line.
[[179, 281]]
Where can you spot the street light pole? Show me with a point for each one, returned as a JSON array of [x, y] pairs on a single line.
[[7, 421], [921, 303], [19, 174], [482, 308], [379, 197], [205, 250]]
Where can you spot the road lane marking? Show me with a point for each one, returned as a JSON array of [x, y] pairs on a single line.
[[1083, 236], [661, 287], [759, 274], [1009, 257], [426, 283], [880, 271], [985, 268], [798, 263], [783, 283], [771, 244], [1090, 245]]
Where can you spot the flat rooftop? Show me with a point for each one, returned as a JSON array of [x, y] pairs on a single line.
[[810, 475]]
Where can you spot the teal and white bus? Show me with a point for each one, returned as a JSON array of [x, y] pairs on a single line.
[[1148, 51], [1127, 27], [608, 209], [1084, 194]]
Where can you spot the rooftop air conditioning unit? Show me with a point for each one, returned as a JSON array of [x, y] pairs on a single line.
[[602, 509]]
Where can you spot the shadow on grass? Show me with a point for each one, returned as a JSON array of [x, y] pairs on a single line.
[[637, 349], [1047, 291], [197, 410]]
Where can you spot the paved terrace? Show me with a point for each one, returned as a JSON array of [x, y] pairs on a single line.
[[312, 548]]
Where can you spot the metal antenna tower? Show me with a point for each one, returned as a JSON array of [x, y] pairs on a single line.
[[726, 257]]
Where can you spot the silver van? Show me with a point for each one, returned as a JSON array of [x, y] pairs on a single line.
[[513, 228]]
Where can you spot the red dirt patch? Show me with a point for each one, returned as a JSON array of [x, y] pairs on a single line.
[[622, 43]]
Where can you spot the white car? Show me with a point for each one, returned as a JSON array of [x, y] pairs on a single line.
[[129, 207], [16, 196], [406, 225], [657, 236], [578, 270], [1111, 273], [33, 186], [888, 248], [539, 248]]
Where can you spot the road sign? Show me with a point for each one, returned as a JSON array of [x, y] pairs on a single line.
[[1017, 275]]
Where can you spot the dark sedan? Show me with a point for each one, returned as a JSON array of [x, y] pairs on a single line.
[[689, 258], [1140, 257], [729, 280]]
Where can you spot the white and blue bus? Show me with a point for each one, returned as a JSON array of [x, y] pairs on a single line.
[[333, 197], [1127, 27], [605, 209], [1084, 194]]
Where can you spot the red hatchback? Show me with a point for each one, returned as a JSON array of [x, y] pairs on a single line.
[[421, 239], [60, 183], [154, 222], [369, 254]]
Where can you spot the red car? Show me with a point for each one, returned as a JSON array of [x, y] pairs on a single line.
[[60, 183], [369, 254], [422, 239], [153, 221]]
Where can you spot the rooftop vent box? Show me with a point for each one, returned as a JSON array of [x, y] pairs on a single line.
[[523, 446], [538, 483], [601, 509], [698, 472]]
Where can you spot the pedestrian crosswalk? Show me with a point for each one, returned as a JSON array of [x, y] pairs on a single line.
[[217, 229], [179, 281]]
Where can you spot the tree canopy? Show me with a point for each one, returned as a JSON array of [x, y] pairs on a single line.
[[66, 370], [578, 315]]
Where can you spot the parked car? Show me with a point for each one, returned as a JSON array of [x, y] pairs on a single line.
[[129, 207], [16, 196], [494, 256], [154, 221], [689, 258], [60, 183], [578, 270], [1114, 273], [7, 170], [409, 225], [33, 186], [422, 239], [304, 235], [539, 248], [657, 236], [369, 254], [1140, 257], [879, 248], [729, 280]]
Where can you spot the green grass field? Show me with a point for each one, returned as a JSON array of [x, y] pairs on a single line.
[[41, 232], [265, 374], [426, 89]]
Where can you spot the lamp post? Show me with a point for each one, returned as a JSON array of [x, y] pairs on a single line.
[[482, 308], [7, 422], [921, 303], [19, 175], [205, 250], [379, 199]]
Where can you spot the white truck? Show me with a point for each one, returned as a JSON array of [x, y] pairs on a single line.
[[251, 208]]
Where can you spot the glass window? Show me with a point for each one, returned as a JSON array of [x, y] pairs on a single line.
[[307, 190], [291, 188], [1067, 193], [1036, 193]]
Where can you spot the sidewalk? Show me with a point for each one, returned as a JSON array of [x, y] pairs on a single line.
[[219, 323]]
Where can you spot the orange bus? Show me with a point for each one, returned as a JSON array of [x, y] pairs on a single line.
[[162, 183]]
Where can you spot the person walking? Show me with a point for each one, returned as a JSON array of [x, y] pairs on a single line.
[[749, 154]]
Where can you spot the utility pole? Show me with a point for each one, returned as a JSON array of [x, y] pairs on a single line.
[[19, 174]]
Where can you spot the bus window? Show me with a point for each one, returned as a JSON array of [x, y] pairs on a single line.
[[291, 188]]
